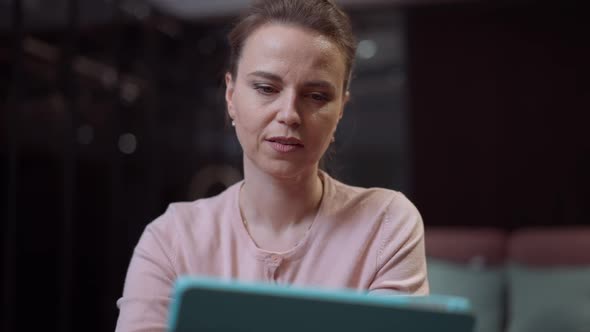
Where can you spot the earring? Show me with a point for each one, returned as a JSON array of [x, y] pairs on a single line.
[[233, 123], [333, 139]]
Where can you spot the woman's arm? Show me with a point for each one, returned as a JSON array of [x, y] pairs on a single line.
[[401, 261], [148, 285]]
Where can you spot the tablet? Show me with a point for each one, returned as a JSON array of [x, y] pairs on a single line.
[[208, 304]]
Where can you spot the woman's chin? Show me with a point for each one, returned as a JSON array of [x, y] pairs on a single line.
[[285, 170]]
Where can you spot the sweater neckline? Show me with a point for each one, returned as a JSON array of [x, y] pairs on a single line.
[[300, 248]]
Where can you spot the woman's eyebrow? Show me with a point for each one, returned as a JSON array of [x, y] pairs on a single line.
[[277, 78], [267, 75], [319, 84]]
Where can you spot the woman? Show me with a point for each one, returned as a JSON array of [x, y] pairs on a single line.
[[287, 221]]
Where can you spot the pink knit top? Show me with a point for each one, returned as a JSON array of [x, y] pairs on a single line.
[[364, 239]]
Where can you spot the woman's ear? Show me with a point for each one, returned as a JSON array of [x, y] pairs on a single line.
[[229, 92], [345, 100]]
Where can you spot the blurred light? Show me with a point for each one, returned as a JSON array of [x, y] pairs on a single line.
[[140, 9], [367, 49], [127, 143], [85, 134], [129, 92]]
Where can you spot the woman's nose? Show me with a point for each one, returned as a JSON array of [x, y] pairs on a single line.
[[289, 112]]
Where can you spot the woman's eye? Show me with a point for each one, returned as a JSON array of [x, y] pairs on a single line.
[[265, 89], [319, 97]]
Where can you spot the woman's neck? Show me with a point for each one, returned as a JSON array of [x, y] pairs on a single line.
[[279, 204]]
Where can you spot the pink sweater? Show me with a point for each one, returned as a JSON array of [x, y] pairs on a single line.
[[366, 239]]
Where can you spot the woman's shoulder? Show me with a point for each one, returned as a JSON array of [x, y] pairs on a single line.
[[373, 198], [382, 214], [203, 212], [389, 208]]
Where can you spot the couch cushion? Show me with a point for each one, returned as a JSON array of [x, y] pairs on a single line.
[[551, 246], [484, 287], [467, 245], [549, 299]]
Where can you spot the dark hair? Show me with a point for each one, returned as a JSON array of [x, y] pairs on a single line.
[[322, 16]]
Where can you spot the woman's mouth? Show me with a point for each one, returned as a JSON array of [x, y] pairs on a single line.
[[285, 144]]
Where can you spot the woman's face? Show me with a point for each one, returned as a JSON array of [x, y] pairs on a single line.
[[286, 98]]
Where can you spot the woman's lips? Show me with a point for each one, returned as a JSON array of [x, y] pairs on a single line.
[[280, 147], [285, 144]]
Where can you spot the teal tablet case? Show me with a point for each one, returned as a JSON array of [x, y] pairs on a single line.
[[206, 304]]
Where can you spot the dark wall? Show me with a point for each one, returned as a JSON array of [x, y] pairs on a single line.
[[498, 102]]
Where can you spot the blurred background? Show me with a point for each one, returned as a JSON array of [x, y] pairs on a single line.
[[112, 109]]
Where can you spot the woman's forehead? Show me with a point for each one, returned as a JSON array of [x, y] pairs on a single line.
[[286, 49]]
